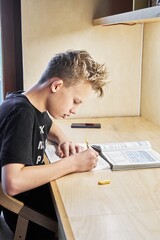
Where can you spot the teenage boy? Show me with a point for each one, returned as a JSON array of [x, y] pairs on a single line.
[[25, 126]]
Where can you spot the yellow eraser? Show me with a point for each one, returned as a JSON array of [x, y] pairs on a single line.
[[103, 182]]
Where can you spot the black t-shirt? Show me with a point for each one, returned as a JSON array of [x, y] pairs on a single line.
[[23, 131]]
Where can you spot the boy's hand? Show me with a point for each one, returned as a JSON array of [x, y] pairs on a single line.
[[85, 160], [68, 148]]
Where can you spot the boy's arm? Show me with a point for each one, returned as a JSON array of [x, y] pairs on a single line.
[[56, 134], [17, 178], [65, 146]]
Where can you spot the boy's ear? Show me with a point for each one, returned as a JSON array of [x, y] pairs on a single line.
[[56, 84]]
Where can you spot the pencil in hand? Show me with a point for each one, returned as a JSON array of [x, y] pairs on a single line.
[[86, 141]]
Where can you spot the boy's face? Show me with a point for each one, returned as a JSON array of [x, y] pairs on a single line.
[[64, 101]]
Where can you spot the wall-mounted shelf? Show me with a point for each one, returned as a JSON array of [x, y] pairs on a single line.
[[151, 14]]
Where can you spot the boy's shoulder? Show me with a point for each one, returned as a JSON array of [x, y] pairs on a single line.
[[17, 99], [17, 102]]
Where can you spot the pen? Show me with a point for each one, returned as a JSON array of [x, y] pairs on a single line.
[[86, 141]]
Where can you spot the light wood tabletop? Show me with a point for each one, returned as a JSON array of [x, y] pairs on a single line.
[[127, 208]]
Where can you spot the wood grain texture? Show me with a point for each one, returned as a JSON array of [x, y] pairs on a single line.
[[128, 207]]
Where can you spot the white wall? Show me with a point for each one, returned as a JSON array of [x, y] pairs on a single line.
[[150, 102], [49, 27]]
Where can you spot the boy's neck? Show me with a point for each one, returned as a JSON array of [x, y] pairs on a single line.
[[37, 97]]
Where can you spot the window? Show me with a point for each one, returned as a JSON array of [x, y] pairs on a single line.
[[1, 86], [11, 47]]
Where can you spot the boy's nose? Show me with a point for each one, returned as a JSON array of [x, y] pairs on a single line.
[[73, 111]]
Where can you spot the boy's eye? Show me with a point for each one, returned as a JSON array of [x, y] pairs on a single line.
[[76, 102]]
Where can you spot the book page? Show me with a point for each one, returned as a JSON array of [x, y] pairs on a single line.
[[101, 164], [53, 157], [127, 157], [124, 145], [51, 153]]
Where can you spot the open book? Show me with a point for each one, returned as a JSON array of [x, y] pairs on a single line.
[[129, 155], [119, 156], [53, 157]]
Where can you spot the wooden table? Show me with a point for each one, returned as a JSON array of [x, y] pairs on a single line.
[[126, 209]]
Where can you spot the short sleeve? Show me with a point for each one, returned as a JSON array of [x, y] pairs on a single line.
[[17, 139]]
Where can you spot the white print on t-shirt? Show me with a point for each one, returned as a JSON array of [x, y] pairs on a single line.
[[41, 129], [38, 159], [41, 145]]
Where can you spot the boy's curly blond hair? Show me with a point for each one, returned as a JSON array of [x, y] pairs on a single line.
[[74, 67]]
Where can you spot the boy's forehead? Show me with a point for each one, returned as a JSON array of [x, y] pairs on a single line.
[[82, 86], [82, 90]]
